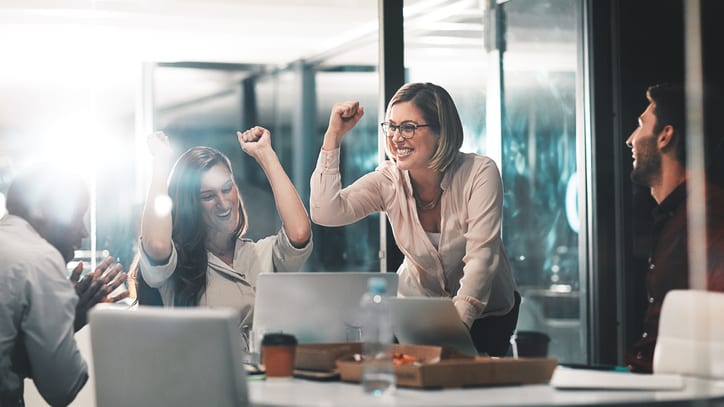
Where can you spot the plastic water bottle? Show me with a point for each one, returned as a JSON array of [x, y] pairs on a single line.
[[378, 374]]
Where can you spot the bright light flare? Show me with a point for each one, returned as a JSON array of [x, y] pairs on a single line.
[[162, 205]]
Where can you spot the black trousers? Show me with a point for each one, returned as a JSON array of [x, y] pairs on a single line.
[[492, 334]]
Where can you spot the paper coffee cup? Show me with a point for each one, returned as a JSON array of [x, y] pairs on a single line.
[[277, 353]]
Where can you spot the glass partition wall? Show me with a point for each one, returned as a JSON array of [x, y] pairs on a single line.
[[358, 243], [541, 138], [294, 103], [514, 71]]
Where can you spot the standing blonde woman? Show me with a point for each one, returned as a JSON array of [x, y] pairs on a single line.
[[445, 208], [196, 254]]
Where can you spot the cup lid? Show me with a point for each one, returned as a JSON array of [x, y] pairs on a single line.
[[278, 339]]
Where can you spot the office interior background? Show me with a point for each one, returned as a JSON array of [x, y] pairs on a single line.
[[550, 89]]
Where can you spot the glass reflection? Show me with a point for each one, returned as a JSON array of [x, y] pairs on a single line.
[[517, 100], [353, 247]]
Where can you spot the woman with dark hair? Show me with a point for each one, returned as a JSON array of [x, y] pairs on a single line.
[[192, 247], [445, 208]]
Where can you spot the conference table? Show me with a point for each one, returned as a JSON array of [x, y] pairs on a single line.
[[304, 393]]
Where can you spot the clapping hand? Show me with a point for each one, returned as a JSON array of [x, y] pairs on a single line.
[[96, 287]]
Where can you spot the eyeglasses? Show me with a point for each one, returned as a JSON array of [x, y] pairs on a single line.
[[407, 130]]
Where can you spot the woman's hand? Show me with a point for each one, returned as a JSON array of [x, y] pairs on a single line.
[[159, 146], [343, 118], [256, 141]]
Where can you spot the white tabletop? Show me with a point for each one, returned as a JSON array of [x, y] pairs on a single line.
[[304, 393]]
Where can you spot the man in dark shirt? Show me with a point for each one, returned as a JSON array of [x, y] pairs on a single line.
[[658, 149]]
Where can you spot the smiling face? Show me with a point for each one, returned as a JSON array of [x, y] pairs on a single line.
[[219, 200], [643, 143], [415, 152]]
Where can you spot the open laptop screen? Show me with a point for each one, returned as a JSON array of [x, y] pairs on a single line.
[[430, 321], [316, 307]]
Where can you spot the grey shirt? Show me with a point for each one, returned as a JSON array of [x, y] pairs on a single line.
[[37, 310]]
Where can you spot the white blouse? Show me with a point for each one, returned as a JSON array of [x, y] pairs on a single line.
[[434, 239]]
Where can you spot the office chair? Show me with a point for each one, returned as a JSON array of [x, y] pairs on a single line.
[[159, 357], [691, 335]]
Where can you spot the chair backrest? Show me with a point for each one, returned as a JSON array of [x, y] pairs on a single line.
[[691, 335], [154, 356]]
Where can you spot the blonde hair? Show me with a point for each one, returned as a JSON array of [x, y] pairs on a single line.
[[440, 113]]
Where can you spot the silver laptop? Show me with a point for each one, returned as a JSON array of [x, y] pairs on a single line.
[[430, 321], [316, 307], [153, 356]]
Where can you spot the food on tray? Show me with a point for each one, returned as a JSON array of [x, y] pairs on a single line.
[[399, 358]]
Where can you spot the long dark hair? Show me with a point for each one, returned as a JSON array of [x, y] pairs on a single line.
[[189, 232]]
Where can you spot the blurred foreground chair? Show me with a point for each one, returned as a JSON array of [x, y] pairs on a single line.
[[691, 334], [161, 357]]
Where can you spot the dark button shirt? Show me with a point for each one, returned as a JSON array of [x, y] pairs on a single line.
[[669, 263]]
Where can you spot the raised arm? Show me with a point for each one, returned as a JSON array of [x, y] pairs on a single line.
[[156, 226], [330, 205], [343, 118], [257, 143]]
